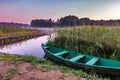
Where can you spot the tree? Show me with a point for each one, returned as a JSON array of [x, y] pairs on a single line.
[[69, 21], [84, 21], [42, 23]]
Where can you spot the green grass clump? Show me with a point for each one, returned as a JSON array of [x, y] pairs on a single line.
[[98, 41], [8, 57], [12, 31]]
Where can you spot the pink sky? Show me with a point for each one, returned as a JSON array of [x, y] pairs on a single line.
[[23, 11]]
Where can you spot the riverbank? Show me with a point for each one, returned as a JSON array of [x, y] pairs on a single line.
[[10, 39], [14, 31], [16, 67]]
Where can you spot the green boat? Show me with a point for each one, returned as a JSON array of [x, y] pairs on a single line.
[[83, 61]]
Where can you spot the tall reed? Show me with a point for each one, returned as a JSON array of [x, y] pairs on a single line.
[[11, 31], [93, 40]]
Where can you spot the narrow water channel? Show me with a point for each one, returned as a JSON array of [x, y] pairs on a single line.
[[28, 47]]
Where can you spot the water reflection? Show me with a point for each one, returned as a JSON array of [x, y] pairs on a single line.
[[28, 47]]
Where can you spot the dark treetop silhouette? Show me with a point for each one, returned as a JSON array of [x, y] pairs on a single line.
[[73, 21]]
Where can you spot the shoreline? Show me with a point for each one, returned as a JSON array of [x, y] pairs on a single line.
[[13, 67]]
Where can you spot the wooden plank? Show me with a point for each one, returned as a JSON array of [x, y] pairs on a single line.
[[76, 58], [92, 61], [46, 46], [60, 53]]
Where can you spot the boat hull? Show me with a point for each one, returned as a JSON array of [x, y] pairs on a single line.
[[88, 68]]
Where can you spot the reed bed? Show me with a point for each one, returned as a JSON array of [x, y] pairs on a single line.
[[93, 40], [13, 31]]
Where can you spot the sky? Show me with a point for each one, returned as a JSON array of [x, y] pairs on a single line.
[[23, 11]]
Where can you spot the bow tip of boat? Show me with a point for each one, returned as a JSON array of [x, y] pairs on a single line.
[[42, 44]]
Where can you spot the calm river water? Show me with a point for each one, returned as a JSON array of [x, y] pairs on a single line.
[[28, 47]]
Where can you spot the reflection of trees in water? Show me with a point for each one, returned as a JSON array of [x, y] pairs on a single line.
[[8, 46], [27, 47], [18, 43]]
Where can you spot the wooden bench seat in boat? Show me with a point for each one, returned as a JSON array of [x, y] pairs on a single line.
[[46, 46], [92, 61], [61, 53], [76, 58]]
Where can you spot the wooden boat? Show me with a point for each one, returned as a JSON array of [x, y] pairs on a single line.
[[82, 61]]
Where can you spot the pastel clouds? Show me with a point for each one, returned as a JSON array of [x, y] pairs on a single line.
[[23, 11]]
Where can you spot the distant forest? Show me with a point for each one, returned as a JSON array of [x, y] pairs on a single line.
[[6, 24], [72, 20]]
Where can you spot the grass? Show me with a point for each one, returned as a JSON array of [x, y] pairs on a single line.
[[98, 41], [46, 66], [12, 31]]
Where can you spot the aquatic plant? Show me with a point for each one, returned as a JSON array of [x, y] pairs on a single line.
[[93, 40]]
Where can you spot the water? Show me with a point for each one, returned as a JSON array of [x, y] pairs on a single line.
[[28, 47]]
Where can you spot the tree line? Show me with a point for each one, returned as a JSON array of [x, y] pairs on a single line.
[[42, 23], [72, 20], [12, 24]]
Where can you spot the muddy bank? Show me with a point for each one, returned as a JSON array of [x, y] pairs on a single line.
[[9, 70]]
